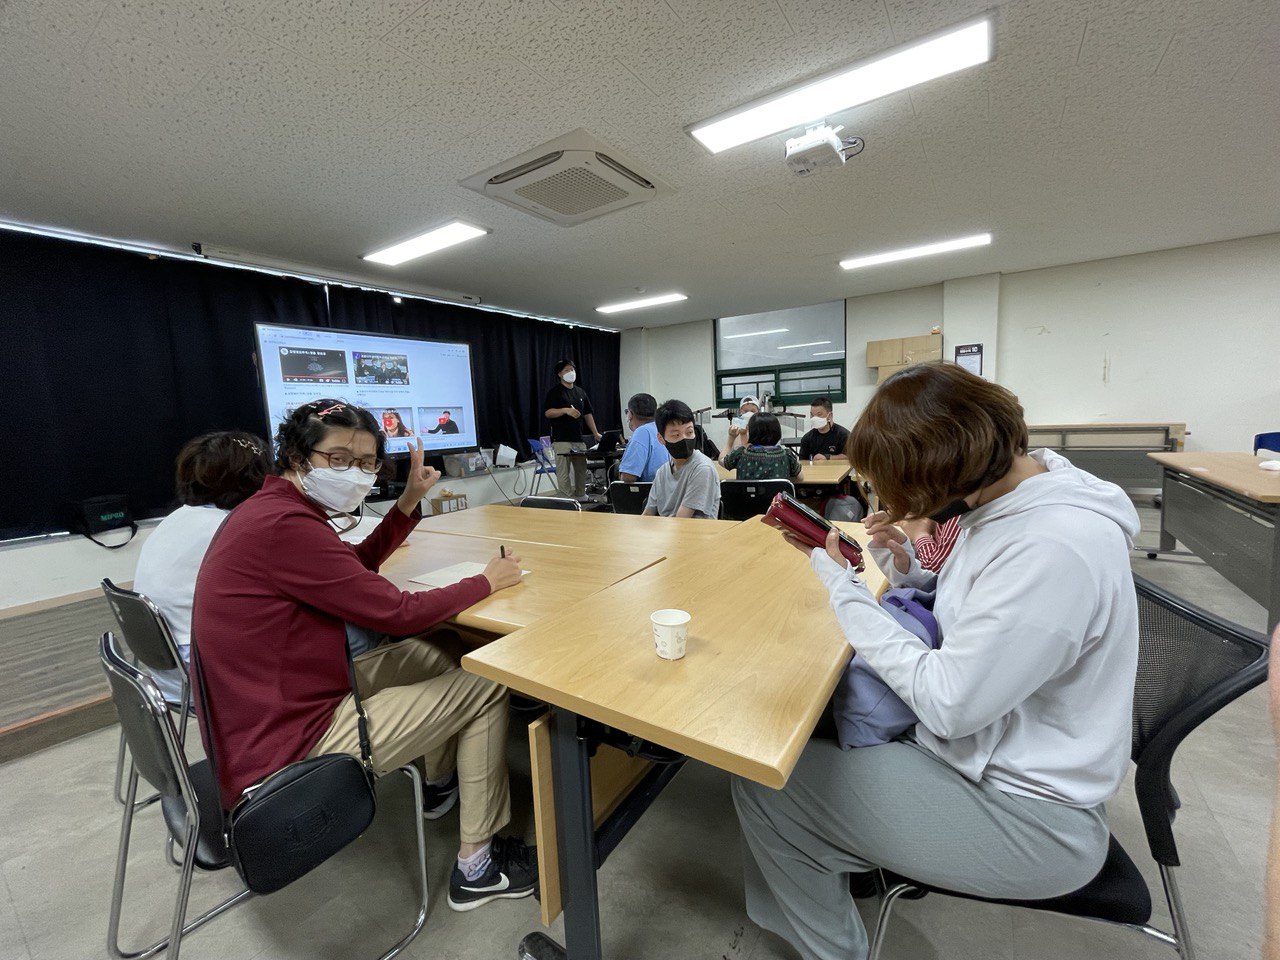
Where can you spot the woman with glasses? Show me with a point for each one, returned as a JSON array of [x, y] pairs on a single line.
[[273, 599]]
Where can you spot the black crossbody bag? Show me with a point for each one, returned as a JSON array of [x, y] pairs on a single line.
[[297, 818]]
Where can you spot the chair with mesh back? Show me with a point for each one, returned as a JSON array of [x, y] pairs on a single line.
[[744, 499], [1191, 664], [552, 503], [147, 637], [1267, 441], [628, 497]]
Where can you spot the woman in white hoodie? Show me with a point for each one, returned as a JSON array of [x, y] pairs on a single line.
[[1025, 709]]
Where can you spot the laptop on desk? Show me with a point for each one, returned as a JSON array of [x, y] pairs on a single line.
[[609, 441]]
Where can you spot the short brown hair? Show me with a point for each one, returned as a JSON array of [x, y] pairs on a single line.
[[935, 432], [223, 469]]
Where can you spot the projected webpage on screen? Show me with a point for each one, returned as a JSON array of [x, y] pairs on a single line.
[[414, 388]]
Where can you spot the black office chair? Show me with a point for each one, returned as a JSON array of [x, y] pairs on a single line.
[[190, 805], [1191, 664], [744, 499], [628, 497], [147, 637], [552, 503]]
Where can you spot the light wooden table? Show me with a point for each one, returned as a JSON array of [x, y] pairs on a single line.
[[822, 473], [762, 662], [1226, 509], [663, 536], [558, 576]]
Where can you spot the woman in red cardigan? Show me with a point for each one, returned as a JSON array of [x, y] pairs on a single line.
[[273, 598]]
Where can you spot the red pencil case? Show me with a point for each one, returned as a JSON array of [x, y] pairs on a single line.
[[786, 511]]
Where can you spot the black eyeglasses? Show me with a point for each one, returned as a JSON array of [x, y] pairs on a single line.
[[341, 460]]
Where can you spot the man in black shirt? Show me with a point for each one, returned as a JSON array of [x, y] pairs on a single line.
[[826, 439], [446, 424], [567, 407]]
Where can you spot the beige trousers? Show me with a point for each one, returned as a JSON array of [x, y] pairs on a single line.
[[571, 470], [421, 705]]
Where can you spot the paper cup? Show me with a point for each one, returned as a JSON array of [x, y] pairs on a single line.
[[670, 633]]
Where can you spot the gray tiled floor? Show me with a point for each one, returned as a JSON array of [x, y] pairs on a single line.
[[672, 890]]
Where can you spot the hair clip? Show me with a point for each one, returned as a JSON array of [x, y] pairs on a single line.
[[334, 409], [253, 448]]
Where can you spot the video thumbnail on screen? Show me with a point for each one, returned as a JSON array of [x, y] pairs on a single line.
[[391, 369], [308, 365], [440, 420]]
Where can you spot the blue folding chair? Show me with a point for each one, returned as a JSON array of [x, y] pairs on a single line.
[[1266, 441], [542, 454]]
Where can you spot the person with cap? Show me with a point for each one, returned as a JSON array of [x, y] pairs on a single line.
[[747, 409], [567, 407]]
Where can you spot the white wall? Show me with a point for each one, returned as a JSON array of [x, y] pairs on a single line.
[[670, 362], [882, 316], [59, 566], [971, 314], [1185, 335]]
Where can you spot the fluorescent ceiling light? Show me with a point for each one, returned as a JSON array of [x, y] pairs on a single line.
[[834, 93], [927, 250], [757, 333], [795, 346], [429, 242], [637, 304], [827, 353]]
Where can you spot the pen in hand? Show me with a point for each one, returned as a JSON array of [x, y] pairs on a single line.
[[502, 551]]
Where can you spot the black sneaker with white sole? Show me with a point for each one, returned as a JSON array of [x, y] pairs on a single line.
[[437, 801], [512, 874]]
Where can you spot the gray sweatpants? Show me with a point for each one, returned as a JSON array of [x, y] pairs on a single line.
[[897, 806]]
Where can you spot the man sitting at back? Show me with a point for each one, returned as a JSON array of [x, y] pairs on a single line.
[[689, 485], [644, 453]]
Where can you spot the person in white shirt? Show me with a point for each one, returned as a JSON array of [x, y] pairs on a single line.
[[215, 472], [747, 409], [1025, 710]]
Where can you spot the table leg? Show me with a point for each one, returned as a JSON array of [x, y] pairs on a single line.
[[1273, 607], [571, 777], [1167, 541]]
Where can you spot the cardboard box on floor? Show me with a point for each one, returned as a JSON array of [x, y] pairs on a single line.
[[446, 501]]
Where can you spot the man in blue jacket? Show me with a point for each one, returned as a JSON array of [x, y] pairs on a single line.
[[644, 453]]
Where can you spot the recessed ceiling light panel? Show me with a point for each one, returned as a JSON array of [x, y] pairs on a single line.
[[820, 99], [910, 253], [429, 242], [645, 302]]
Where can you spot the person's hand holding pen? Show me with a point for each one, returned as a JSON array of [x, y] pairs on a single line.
[[503, 570]]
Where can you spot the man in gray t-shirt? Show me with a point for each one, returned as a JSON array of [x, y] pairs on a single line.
[[689, 485]]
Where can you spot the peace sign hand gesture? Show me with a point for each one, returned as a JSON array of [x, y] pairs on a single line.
[[421, 479]]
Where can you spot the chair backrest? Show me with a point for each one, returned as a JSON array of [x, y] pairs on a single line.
[[551, 503], [542, 457], [147, 724], [1267, 441], [744, 499], [143, 628], [1191, 664], [628, 497]]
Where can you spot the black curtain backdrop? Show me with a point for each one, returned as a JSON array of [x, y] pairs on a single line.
[[116, 359]]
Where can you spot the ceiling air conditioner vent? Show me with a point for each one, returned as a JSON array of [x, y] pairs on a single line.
[[567, 181]]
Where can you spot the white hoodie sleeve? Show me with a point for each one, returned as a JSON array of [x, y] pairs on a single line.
[[1016, 629], [916, 575]]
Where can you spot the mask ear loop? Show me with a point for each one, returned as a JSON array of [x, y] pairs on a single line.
[[357, 517]]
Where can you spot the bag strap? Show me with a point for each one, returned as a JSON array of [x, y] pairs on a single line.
[[362, 722], [133, 532]]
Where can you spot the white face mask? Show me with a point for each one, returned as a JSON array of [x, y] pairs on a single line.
[[339, 490], [818, 423], [571, 377]]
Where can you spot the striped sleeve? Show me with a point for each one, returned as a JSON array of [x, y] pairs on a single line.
[[932, 551]]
